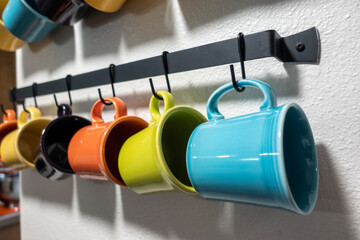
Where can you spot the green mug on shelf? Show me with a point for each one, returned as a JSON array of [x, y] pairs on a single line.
[[154, 159]]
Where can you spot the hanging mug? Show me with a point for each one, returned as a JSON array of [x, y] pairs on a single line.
[[65, 12], [52, 158], [266, 158], [154, 159], [93, 150], [8, 42], [106, 5], [18, 148], [9, 124], [23, 20]]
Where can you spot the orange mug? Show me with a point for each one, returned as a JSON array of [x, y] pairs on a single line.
[[93, 150], [9, 124]]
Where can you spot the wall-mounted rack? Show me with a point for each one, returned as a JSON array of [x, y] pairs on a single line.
[[303, 47]]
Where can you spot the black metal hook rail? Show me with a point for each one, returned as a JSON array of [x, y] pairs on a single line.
[[303, 47]]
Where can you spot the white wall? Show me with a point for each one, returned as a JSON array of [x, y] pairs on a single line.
[[328, 92]]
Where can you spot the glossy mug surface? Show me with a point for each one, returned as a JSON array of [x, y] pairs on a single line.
[[19, 148], [8, 42], [52, 161], [106, 5], [93, 150], [65, 12], [266, 158], [154, 159], [23, 20], [9, 124]]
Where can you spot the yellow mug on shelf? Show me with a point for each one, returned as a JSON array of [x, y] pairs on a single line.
[[18, 148], [8, 42], [154, 159], [106, 5]]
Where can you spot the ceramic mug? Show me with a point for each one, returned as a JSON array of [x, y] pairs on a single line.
[[22, 19], [65, 12], [266, 158], [8, 42], [93, 150], [9, 124], [106, 5], [18, 148], [154, 159], [52, 161]]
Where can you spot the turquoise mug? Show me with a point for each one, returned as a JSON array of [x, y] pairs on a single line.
[[265, 158], [23, 20]]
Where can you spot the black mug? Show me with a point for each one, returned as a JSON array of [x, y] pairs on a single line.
[[52, 158], [65, 12]]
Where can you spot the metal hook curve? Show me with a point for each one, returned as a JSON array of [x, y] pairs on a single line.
[[153, 90], [23, 105], [112, 77], [241, 51], [166, 69], [166, 72], [34, 90], [13, 98], [102, 100], [68, 86], [3, 110]]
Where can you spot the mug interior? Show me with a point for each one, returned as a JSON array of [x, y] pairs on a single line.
[[32, 4], [28, 140], [300, 159], [56, 138], [122, 129], [176, 132]]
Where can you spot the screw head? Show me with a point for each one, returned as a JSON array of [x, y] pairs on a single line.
[[300, 46]]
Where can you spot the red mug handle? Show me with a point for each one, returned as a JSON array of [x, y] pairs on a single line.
[[96, 111], [10, 116]]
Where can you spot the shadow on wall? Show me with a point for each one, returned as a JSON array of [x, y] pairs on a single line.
[[36, 186], [211, 10], [102, 32], [51, 53], [177, 215], [96, 199]]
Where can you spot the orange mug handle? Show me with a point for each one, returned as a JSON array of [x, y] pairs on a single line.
[[10, 116], [96, 111]]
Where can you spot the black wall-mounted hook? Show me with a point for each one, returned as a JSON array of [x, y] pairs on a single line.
[[3, 110], [13, 98], [166, 72], [23, 105], [166, 69], [68, 86], [241, 51], [112, 81], [34, 90]]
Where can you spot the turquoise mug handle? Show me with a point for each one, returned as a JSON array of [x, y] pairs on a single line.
[[213, 102]]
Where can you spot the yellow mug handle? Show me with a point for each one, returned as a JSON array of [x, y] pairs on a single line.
[[154, 105], [23, 118]]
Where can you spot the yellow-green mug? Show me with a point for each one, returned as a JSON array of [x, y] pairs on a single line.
[[18, 148], [154, 159]]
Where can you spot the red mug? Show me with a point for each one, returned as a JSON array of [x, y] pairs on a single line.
[[93, 150]]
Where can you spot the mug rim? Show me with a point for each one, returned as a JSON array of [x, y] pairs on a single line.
[[282, 168], [104, 138], [42, 139], [36, 13], [17, 139], [162, 162], [93, 4]]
